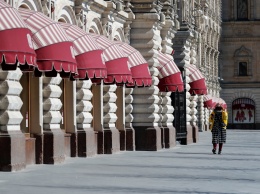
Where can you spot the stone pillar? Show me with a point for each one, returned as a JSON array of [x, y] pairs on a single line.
[[53, 136], [201, 113], [85, 137], [98, 116], [193, 99], [130, 133], [12, 140], [168, 32], [146, 118], [194, 118], [111, 133], [206, 123], [145, 36], [124, 118], [167, 120], [120, 112], [189, 128], [160, 119]]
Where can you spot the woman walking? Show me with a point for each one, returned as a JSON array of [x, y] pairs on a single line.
[[218, 122]]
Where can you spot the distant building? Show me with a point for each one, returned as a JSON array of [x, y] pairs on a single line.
[[239, 63]]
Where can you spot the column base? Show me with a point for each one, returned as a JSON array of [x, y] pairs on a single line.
[[50, 147], [188, 139], [206, 127], [67, 146], [130, 139], [169, 137], [12, 151], [127, 140], [122, 140], [148, 138], [108, 141], [195, 133], [162, 137], [30, 151], [73, 145], [87, 142]]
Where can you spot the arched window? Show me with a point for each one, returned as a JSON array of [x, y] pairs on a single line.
[[242, 9], [243, 110]]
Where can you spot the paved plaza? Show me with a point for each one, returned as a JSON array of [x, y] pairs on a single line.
[[182, 169]]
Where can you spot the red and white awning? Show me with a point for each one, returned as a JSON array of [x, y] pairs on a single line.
[[55, 52], [90, 63], [15, 40], [169, 74], [138, 66], [220, 101], [116, 61], [208, 101], [197, 83]]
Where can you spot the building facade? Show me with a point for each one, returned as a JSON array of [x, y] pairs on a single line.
[[239, 62], [99, 77]]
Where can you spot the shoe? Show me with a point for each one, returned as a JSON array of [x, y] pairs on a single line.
[[213, 151], [219, 152]]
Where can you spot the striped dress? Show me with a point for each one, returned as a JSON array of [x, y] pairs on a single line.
[[218, 133]]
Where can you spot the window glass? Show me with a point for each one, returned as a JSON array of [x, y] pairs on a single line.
[[242, 69], [242, 9]]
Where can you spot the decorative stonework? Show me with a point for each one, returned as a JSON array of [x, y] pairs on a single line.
[[11, 103], [51, 103], [109, 99], [167, 110], [84, 105], [128, 107]]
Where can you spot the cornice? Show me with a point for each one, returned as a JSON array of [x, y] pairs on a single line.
[[247, 39]]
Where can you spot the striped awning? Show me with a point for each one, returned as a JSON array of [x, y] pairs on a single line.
[[208, 101], [138, 66], [88, 54], [169, 74], [197, 83], [55, 52], [217, 100], [116, 61], [16, 46]]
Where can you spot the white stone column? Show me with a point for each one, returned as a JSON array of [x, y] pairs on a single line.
[[167, 120], [201, 114], [207, 114], [128, 107], [194, 117], [120, 113], [188, 112], [85, 138], [98, 115], [52, 103], [111, 134], [84, 104], [130, 133], [145, 37], [160, 119], [193, 105], [12, 140], [53, 140]]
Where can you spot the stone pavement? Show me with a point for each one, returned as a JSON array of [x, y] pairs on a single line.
[[183, 169]]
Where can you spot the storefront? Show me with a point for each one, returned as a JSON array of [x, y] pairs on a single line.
[[243, 113]]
